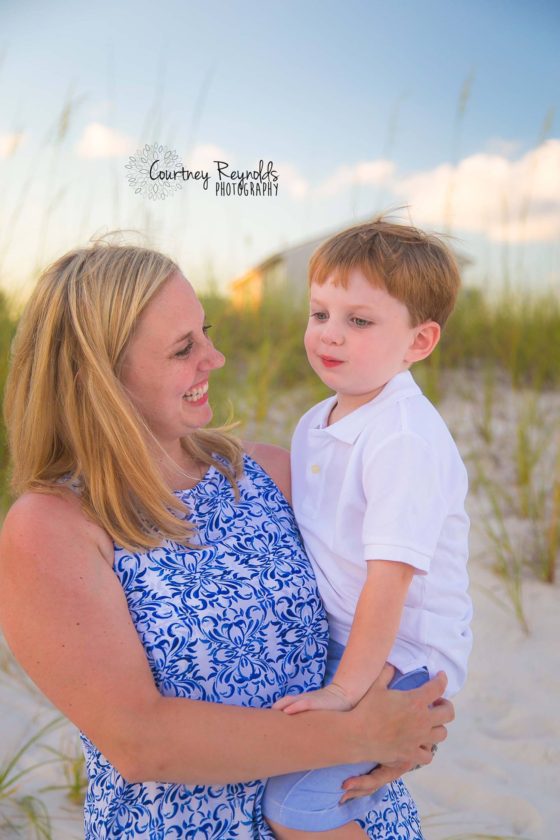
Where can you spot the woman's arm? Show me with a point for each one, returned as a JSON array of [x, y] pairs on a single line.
[[65, 616], [275, 460]]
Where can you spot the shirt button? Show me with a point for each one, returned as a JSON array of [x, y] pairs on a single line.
[[315, 468]]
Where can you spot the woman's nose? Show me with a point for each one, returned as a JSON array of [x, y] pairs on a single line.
[[214, 358]]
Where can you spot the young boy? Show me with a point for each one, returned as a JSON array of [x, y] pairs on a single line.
[[378, 491]]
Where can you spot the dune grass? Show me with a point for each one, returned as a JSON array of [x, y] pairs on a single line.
[[7, 329], [21, 814], [72, 761], [516, 332]]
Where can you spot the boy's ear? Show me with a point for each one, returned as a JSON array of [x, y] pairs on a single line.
[[425, 341]]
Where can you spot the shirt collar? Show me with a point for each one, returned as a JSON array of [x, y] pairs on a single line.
[[349, 428]]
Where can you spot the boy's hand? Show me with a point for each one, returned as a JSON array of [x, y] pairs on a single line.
[[331, 698]]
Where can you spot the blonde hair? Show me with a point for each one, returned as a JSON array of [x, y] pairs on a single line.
[[415, 267], [66, 411]]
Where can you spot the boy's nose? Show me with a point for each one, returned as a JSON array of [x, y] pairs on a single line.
[[331, 336]]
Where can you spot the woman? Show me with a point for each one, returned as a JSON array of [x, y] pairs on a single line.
[[152, 580]]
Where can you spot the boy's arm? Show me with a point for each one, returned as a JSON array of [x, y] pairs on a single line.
[[374, 629], [375, 625]]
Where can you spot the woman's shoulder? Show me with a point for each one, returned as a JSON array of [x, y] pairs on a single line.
[[51, 519], [275, 460]]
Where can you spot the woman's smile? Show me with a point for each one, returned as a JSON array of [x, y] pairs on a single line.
[[198, 395]]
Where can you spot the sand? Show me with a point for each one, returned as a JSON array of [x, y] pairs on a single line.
[[498, 773]]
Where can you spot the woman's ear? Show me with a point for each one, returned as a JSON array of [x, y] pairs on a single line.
[[426, 337]]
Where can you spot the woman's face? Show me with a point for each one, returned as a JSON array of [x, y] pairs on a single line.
[[166, 365]]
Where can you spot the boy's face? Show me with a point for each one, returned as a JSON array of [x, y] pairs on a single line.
[[357, 339]]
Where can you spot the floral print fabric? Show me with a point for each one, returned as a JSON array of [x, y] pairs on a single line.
[[237, 619]]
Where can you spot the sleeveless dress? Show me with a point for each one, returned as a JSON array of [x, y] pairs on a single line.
[[237, 619]]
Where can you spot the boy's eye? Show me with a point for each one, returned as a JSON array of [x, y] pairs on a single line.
[[360, 322], [319, 316]]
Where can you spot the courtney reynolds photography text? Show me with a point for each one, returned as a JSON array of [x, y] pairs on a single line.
[[260, 181]]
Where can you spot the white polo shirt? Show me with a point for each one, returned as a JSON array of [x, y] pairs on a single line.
[[387, 482]]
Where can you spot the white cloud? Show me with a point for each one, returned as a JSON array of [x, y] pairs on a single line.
[[366, 172], [9, 143], [99, 141], [516, 201], [487, 193]]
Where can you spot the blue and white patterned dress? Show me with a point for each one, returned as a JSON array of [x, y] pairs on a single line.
[[237, 620]]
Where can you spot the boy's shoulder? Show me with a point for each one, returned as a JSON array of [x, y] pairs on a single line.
[[400, 410], [420, 416], [411, 437], [405, 413]]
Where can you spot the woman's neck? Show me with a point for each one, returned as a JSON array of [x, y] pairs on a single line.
[[179, 470]]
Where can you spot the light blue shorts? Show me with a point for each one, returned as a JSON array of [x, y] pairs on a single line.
[[309, 800]]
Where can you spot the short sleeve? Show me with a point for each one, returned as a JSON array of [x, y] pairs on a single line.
[[405, 508]]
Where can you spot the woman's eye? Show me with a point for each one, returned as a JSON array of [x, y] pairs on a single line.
[[361, 322], [182, 354]]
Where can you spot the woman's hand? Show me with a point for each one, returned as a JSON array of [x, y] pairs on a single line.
[[383, 774], [332, 697], [398, 728]]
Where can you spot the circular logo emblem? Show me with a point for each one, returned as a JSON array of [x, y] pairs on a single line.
[[151, 172]]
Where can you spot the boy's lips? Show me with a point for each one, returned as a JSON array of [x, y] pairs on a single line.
[[328, 361]]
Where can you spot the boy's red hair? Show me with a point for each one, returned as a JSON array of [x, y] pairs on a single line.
[[415, 267]]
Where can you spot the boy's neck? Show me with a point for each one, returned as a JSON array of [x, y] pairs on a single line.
[[346, 405]]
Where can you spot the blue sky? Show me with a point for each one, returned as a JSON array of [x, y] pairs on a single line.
[[356, 103]]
